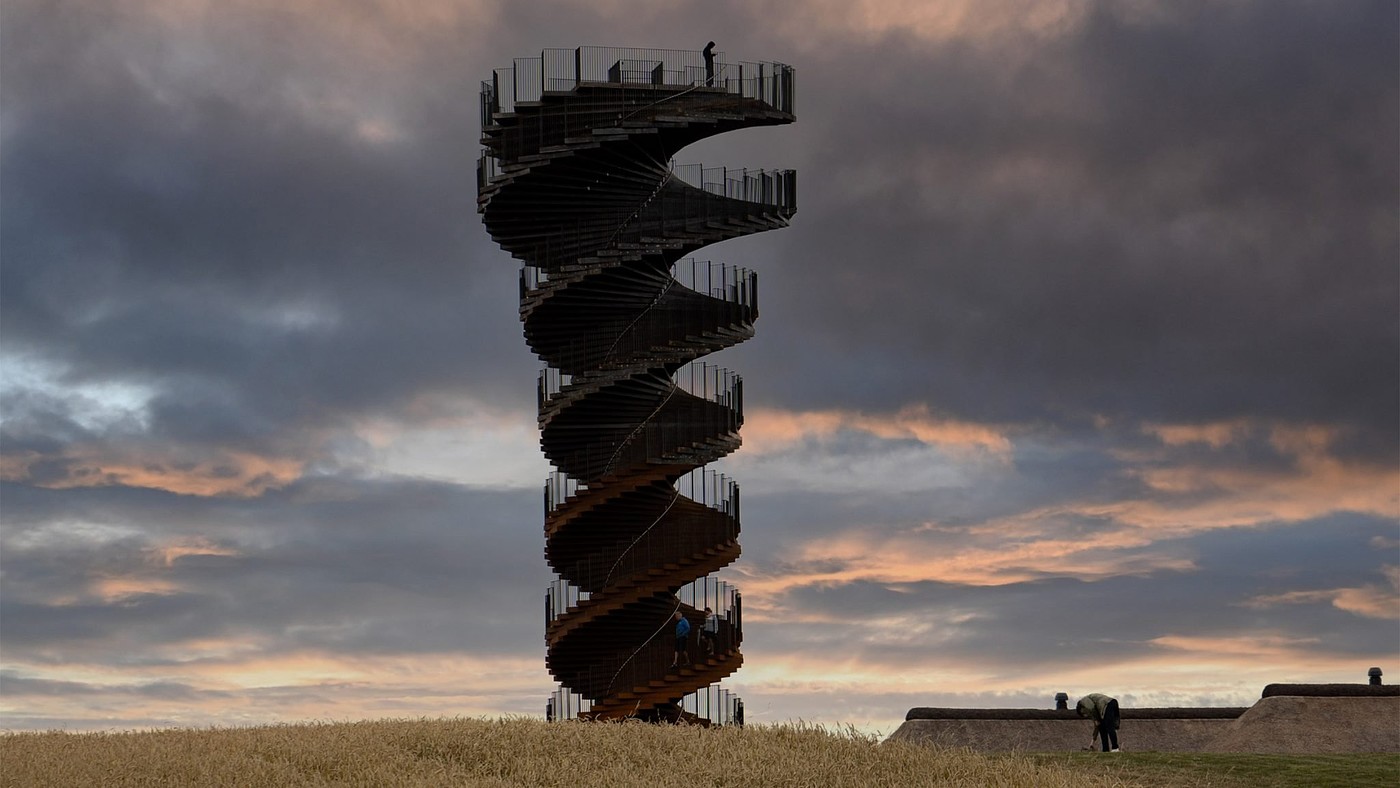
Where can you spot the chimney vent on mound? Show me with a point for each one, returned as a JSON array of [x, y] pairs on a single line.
[[1375, 674], [1061, 701]]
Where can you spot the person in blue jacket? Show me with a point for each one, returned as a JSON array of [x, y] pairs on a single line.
[[682, 638]]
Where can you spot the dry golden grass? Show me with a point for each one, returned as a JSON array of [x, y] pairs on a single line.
[[510, 752]]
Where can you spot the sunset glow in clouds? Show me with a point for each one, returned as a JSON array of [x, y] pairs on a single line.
[[1077, 371]]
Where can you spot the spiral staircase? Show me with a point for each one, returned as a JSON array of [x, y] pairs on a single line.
[[577, 182]]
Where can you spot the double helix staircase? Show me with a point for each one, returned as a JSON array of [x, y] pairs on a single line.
[[576, 181]]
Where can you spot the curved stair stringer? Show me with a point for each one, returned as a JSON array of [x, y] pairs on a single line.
[[670, 688], [630, 588]]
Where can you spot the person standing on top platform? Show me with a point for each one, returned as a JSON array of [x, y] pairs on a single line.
[[709, 54]]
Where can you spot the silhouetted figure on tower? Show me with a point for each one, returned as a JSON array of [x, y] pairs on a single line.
[[709, 54]]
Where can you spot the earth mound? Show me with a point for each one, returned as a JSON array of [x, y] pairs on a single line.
[[1301, 725]]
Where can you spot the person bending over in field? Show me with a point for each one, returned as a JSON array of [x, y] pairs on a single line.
[[1104, 712]]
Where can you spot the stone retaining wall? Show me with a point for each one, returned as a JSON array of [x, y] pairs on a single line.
[[1333, 690], [1317, 719], [1198, 713], [1045, 735]]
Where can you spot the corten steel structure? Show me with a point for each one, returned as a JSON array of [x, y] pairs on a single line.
[[577, 182]]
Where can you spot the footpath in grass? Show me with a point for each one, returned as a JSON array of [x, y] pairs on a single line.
[[1236, 770]]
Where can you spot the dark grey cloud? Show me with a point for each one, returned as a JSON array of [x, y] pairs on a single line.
[[256, 260], [347, 565], [1190, 216], [17, 686], [1188, 219]]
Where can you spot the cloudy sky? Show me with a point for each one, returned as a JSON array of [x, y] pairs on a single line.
[[1077, 370]]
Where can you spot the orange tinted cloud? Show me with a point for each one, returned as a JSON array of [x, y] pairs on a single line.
[[1229, 648], [170, 554], [1187, 499], [1183, 671], [940, 21], [1216, 434], [292, 688], [148, 579], [1011, 550], [1316, 484], [1370, 601], [769, 430], [115, 588], [186, 472]]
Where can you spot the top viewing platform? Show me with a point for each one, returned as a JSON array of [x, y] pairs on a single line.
[[565, 71]]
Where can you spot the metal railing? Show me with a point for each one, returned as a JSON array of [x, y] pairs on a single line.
[[653, 658], [712, 489], [551, 382], [670, 546], [695, 422], [565, 704], [727, 283], [766, 187], [488, 169], [776, 188], [626, 558], [636, 557], [702, 515], [683, 213], [560, 70], [696, 438], [699, 379], [718, 705], [559, 597]]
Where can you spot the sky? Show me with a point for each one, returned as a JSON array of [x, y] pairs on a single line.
[[1078, 369]]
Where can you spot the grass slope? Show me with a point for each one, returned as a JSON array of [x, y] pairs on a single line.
[[1236, 770], [473, 752]]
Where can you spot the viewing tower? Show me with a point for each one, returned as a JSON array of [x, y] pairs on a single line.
[[577, 182]]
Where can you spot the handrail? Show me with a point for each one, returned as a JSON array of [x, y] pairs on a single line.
[[551, 382], [765, 187], [645, 643], [557, 492], [528, 79], [708, 83], [670, 393], [666, 288], [629, 547], [729, 611], [733, 285], [727, 606]]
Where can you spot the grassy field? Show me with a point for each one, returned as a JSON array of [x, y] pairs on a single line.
[[1237, 770], [473, 752]]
